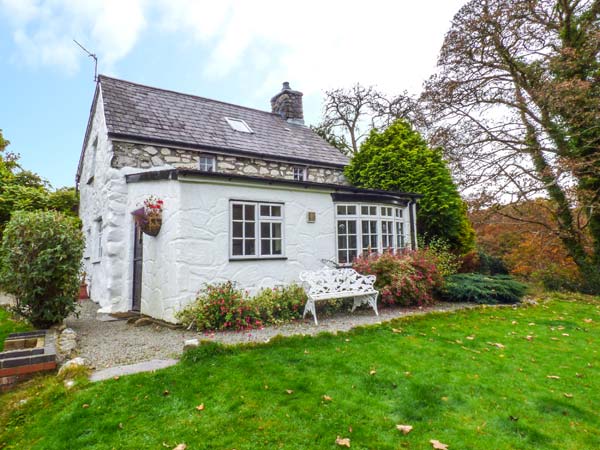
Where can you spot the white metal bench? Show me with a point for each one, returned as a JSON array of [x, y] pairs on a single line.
[[329, 283]]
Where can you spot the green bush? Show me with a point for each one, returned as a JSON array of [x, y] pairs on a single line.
[[482, 289], [490, 264], [40, 265], [280, 304], [222, 306], [438, 250]]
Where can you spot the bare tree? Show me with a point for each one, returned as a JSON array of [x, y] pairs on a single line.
[[516, 105]]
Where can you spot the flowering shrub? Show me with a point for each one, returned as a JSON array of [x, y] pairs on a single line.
[[153, 205], [406, 278], [222, 306], [280, 304]]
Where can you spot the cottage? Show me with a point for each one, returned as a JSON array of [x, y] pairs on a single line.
[[250, 196]]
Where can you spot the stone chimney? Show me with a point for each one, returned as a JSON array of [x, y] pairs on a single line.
[[288, 104]]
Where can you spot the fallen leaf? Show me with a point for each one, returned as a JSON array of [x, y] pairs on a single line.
[[85, 406], [342, 442], [470, 338], [565, 334], [578, 375], [166, 392], [327, 398], [554, 339], [560, 327], [531, 324], [529, 338], [405, 429], [396, 330], [200, 407], [349, 429], [496, 344], [588, 320], [120, 426], [444, 399], [372, 372], [116, 377], [568, 395], [553, 377], [514, 322], [438, 445], [306, 352], [513, 418], [180, 447], [289, 391], [347, 340]]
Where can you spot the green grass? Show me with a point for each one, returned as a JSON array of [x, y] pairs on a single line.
[[467, 393], [8, 325]]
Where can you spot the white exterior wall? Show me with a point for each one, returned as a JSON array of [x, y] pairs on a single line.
[[192, 247]]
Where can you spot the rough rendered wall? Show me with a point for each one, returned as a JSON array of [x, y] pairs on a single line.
[[192, 248], [146, 156]]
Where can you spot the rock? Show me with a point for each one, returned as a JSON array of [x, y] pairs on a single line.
[[143, 322], [190, 344]]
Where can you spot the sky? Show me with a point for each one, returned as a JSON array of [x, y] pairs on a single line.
[[231, 50]]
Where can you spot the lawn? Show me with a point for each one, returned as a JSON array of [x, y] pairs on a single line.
[[8, 326], [487, 378]]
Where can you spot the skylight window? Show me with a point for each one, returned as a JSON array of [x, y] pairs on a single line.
[[239, 125]]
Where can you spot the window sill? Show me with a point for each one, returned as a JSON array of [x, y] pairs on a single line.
[[262, 258], [96, 261]]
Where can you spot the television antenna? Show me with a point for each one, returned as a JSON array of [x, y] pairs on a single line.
[[91, 55]]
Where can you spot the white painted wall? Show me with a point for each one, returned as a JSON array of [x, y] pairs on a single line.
[[192, 247]]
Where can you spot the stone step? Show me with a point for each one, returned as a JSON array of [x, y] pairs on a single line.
[[146, 366]]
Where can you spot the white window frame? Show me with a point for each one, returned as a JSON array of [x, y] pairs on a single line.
[[299, 173], [362, 212], [258, 220], [97, 250], [204, 165], [235, 125]]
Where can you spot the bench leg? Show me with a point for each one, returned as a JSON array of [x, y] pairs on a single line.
[[310, 307], [373, 303]]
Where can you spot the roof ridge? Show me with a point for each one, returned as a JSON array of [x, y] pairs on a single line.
[[100, 76]]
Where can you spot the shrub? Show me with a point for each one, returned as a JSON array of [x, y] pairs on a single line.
[[219, 307], [41, 258], [280, 304], [223, 306], [491, 265], [406, 278], [438, 250], [478, 288]]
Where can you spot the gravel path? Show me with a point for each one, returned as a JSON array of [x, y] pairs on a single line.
[[113, 343]]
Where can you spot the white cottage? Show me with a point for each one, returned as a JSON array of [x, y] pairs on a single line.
[[250, 196]]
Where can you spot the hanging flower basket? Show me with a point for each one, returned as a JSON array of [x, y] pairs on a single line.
[[149, 217]]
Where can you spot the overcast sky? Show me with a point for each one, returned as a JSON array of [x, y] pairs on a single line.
[[231, 50]]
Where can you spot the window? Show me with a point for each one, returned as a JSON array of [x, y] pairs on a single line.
[[370, 228], [299, 173], [98, 246], [92, 171], [207, 163], [256, 230], [238, 125]]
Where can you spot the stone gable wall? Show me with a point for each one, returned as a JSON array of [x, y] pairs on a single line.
[[143, 156]]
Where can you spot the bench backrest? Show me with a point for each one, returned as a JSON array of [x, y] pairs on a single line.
[[331, 281]]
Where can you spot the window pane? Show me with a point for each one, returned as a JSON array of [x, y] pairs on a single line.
[[342, 257], [276, 211], [351, 255], [373, 242], [384, 228], [373, 226], [364, 210], [236, 248], [249, 212], [342, 228], [276, 230], [249, 248], [365, 226], [342, 242], [341, 210], [249, 229], [353, 242], [277, 248], [265, 230], [237, 229], [265, 247], [265, 210], [352, 210], [237, 212], [351, 227]]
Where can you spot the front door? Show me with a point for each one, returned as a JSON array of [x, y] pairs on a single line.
[[138, 259]]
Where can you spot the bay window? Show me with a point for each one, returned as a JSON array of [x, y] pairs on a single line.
[[362, 229]]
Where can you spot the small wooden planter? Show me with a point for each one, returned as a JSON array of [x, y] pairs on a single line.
[[152, 224]]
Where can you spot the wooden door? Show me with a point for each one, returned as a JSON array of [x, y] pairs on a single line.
[[138, 259]]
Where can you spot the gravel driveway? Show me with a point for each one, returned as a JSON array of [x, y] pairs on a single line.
[[114, 343]]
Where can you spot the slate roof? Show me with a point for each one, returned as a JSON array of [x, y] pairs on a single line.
[[157, 115]]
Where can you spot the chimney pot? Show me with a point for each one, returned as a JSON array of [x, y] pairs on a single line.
[[286, 85]]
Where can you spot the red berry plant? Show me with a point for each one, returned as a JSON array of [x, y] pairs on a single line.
[[406, 278]]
